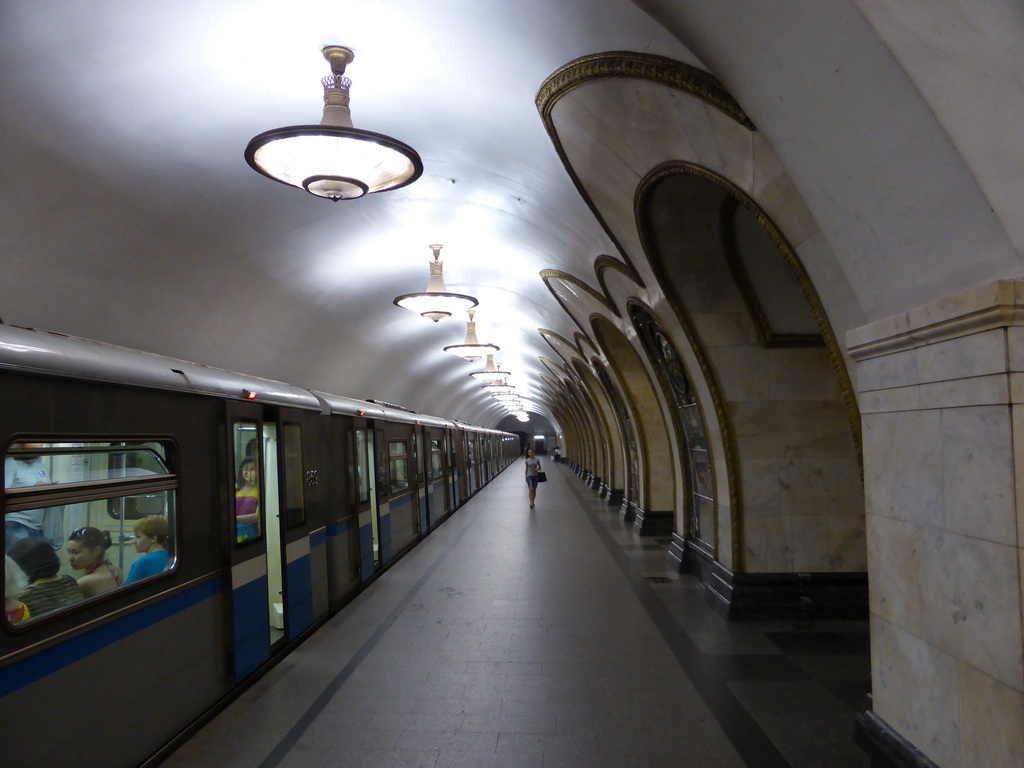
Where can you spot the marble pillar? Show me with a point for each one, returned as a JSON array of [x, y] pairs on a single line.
[[941, 393]]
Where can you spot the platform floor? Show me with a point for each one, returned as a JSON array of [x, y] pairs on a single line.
[[551, 637]]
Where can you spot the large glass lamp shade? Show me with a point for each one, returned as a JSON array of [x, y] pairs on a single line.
[[334, 160], [471, 349], [435, 303]]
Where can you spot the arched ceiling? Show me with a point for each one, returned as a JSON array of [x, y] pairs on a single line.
[[130, 215]]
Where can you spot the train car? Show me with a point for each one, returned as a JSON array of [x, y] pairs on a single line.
[[182, 527]]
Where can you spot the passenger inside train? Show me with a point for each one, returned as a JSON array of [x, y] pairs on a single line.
[[47, 589], [151, 534], [14, 582], [87, 551], [247, 502]]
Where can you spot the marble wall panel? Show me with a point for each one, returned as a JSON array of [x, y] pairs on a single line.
[[914, 690], [725, 329], [978, 473], [767, 544], [903, 465], [888, 400], [847, 544], [810, 543], [821, 486], [898, 369], [757, 426], [1017, 420], [971, 608], [1015, 348], [976, 354], [762, 487], [958, 393], [741, 371], [895, 573], [802, 374], [735, 147], [991, 721], [817, 429], [775, 193]]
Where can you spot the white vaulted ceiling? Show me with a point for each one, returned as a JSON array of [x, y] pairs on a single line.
[[130, 216]]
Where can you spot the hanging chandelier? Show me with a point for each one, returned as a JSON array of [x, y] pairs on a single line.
[[435, 303], [490, 373], [471, 348], [498, 389], [333, 159], [505, 397]]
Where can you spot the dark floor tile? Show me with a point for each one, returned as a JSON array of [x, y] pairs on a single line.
[[812, 642], [757, 667], [851, 692]]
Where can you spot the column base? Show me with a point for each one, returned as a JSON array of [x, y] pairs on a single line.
[[885, 747], [648, 523]]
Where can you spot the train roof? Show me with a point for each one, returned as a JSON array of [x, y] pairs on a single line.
[[49, 353], [56, 354]]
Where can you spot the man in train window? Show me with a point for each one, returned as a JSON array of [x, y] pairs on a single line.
[[22, 469]]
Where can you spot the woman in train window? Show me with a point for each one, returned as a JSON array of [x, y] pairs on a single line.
[[87, 550], [247, 502], [47, 590], [151, 542]]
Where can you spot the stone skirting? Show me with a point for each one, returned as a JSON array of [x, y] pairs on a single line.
[[628, 510], [648, 523], [770, 596], [615, 496], [885, 746]]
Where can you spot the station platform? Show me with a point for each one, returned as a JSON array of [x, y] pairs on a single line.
[[551, 637]]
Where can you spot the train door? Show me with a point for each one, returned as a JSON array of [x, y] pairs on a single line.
[[400, 523], [459, 440], [371, 551], [422, 478], [437, 476], [256, 570], [351, 487]]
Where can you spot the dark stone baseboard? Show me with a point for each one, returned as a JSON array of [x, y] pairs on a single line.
[[648, 523], [770, 596], [886, 747], [615, 496], [628, 510]]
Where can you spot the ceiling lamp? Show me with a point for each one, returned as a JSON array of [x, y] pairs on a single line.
[[504, 397], [524, 416], [471, 348], [499, 389], [490, 373], [435, 303], [333, 159]]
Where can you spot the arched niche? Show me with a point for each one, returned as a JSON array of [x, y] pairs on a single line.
[[654, 491]]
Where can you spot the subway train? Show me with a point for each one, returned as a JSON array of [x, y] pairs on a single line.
[[280, 505]]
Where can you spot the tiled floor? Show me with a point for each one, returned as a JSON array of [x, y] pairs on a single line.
[[546, 638]]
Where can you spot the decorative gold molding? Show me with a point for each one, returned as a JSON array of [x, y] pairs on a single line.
[[547, 275], [639, 66], [605, 263]]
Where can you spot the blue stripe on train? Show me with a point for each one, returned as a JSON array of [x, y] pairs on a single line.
[[44, 663], [252, 626], [346, 525], [300, 596]]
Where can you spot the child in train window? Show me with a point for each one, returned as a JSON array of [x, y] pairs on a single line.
[[247, 502]]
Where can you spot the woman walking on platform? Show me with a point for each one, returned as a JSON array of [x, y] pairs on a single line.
[[532, 468]]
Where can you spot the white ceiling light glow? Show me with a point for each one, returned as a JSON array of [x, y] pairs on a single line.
[[435, 303], [490, 373], [334, 160], [471, 349]]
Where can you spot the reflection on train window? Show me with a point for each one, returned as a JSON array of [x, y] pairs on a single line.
[[247, 465], [362, 466], [84, 518], [295, 509], [398, 454], [436, 462]]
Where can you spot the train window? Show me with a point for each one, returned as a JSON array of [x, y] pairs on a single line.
[[84, 518], [295, 508], [248, 471], [436, 461], [398, 455], [362, 466]]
